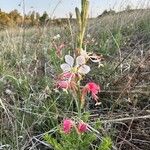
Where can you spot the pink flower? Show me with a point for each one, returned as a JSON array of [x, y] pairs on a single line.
[[93, 88], [67, 125], [82, 127], [67, 76], [67, 81], [64, 81], [62, 84], [59, 49]]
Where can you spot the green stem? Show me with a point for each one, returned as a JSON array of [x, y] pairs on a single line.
[[78, 107], [82, 22], [76, 96]]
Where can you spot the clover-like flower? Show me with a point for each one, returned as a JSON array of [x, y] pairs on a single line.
[[75, 66], [82, 127], [67, 126]]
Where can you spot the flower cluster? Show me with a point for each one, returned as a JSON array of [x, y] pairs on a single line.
[[73, 70], [68, 124]]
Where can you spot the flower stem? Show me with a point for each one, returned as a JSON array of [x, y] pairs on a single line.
[[78, 104], [82, 22]]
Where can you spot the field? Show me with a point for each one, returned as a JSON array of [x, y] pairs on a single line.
[[29, 66]]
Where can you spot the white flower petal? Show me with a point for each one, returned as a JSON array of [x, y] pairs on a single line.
[[65, 67], [80, 60], [84, 69], [69, 60]]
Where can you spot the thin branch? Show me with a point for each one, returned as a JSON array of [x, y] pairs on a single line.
[[125, 119], [133, 92]]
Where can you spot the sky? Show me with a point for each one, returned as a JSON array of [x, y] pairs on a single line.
[[61, 8]]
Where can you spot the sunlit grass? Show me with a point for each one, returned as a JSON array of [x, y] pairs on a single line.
[[29, 105]]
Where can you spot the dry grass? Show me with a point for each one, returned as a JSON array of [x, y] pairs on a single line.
[[28, 105]]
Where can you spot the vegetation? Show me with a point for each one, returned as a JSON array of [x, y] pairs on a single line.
[[32, 19], [32, 109]]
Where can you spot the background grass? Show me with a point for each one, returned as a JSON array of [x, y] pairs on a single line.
[[29, 68]]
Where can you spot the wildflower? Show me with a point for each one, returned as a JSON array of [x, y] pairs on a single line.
[[67, 125], [93, 88], [56, 37], [59, 49], [93, 57], [85, 54], [67, 81], [79, 66], [67, 76], [82, 127], [62, 84]]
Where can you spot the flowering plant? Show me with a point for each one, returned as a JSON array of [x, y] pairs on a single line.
[[76, 133]]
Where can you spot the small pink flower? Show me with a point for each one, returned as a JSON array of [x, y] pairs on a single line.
[[82, 127], [67, 125], [64, 80], [93, 88], [62, 84], [67, 81], [67, 76], [59, 49]]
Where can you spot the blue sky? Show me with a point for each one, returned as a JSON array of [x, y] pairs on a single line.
[[66, 6]]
